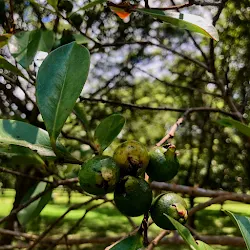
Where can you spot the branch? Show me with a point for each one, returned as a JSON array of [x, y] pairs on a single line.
[[209, 239], [200, 192], [187, 111], [27, 203], [177, 86], [73, 207], [171, 133], [215, 200], [9, 171], [65, 235], [81, 140], [157, 239]]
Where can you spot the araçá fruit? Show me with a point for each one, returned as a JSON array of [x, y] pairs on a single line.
[[133, 196], [172, 205], [65, 5], [99, 175], [163, 164], [76, 19], [132, 158]]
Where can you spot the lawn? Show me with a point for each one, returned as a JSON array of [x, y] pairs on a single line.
[[107, 221]]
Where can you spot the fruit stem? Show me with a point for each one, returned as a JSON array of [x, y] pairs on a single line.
[[144, 229]]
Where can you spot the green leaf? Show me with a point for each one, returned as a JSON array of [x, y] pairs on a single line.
[[60, 80], [80, 39], [4, 64], [184, 233], [24, 45], [108, 130], [187, 236], [134, 242], [80, 113], [243, 223], [203, 246], [33, 210], [92, 4], [19, 155], [227, 122], [23, 134], [4, 38], [184, 21], [53, 3]]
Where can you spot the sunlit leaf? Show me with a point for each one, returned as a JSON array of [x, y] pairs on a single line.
[[19, 155], [187, 236], [108, 130], [26, 135], [134, 242], [92, 4], [60, 80], [184, 21], [184, 233], [243, 223], [227, 122], [34, 209], [4, 38], [203, 246], [24, 45], [53, 3]]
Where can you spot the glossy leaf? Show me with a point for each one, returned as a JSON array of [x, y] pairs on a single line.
[[108, 130], [53, 3], [24, 45], [134, 242], [34, 209], [184, 21], [4, 64], [19, 155], [92, 4], [203, 246], [60, 80], [4, 38], [184, 233], [80, 113], [243, 223], [23, 134], [227, 122], [187, 236]]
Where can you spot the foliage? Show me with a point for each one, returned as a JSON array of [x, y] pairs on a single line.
[[141, 70]]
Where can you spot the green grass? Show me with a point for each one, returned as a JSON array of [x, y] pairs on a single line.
[[107, 221]]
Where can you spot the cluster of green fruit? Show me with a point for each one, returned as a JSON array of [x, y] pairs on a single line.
[[124, 174]]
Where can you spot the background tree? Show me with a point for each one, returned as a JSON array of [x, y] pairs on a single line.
[[149, 71]]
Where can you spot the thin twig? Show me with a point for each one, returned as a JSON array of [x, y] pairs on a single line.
[[171, 133], [179, 110], [157, 239], [6, 170], [45, 232]]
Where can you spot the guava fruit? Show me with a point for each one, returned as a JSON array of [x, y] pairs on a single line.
[[172, 205], [163, 164], [132, 158], [133, 196], [99, 175]]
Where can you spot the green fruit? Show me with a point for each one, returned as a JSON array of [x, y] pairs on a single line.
[[99, 175], [133, 196], [65, 5], [76, 19], [163, 164], [132, 158], [172, 205]]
